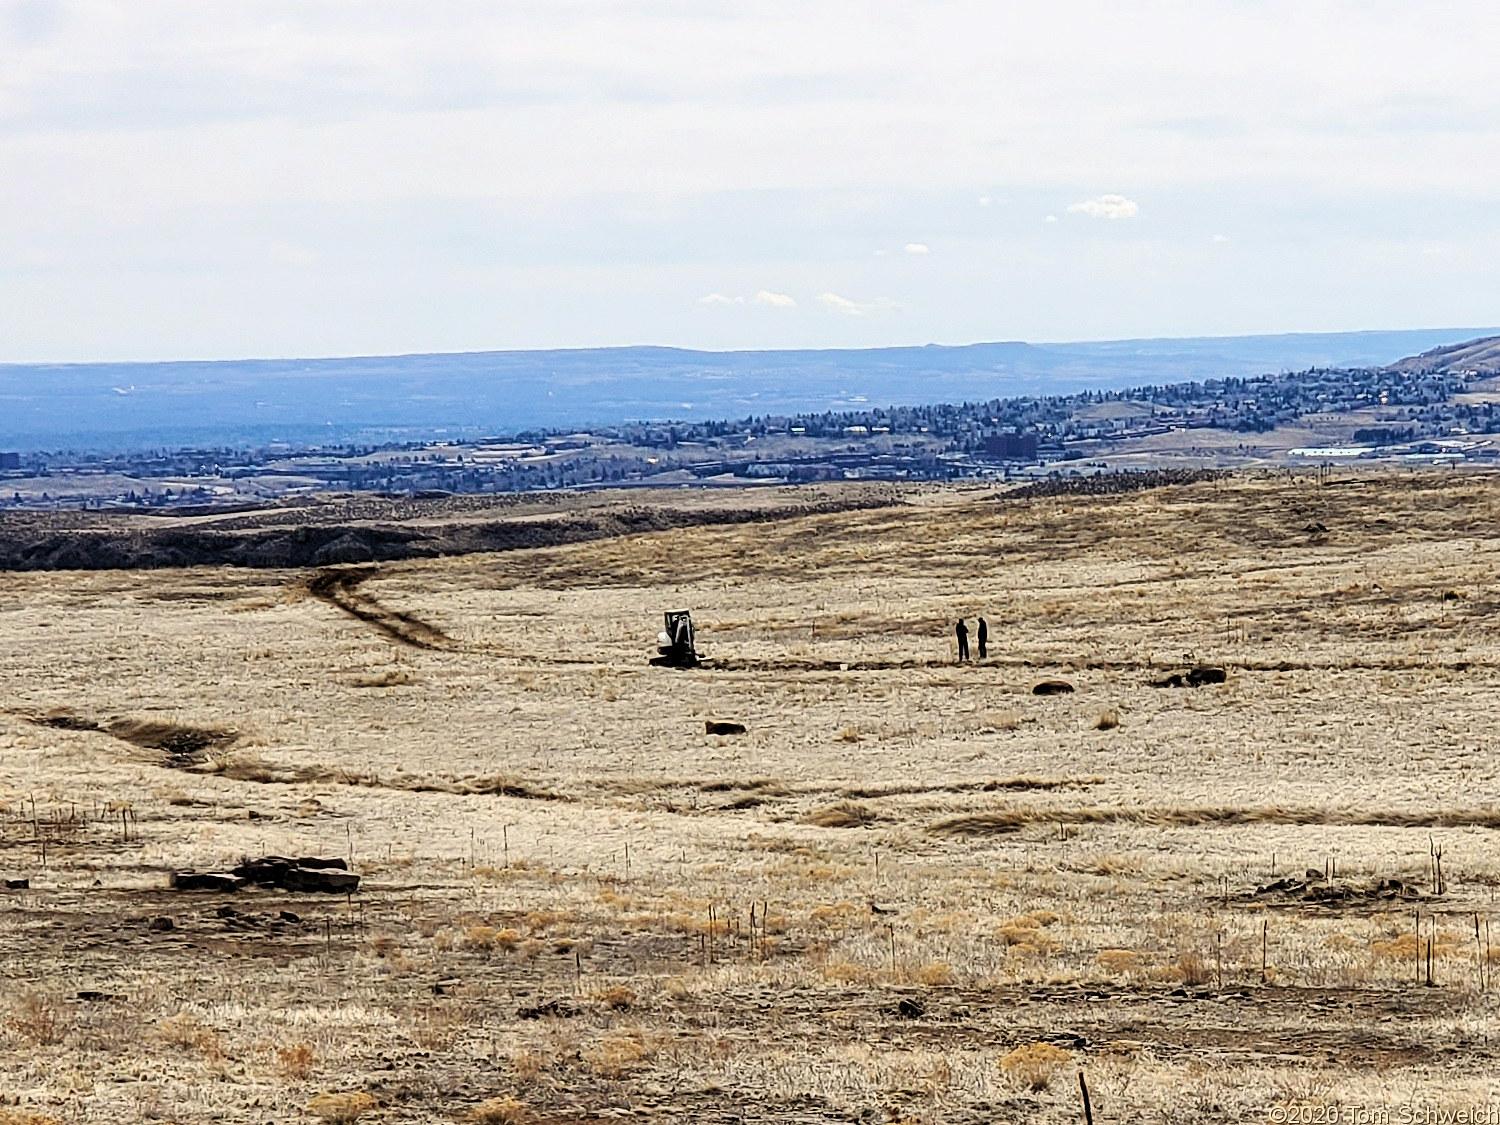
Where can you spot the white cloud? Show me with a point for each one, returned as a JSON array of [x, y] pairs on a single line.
[[984, 201], [856, 308], [917, 248], [1050, 219], [775, 300], [1221, 238], [1106, 207], [719, 299]]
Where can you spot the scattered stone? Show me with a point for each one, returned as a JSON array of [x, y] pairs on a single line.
[[910, 1009], [90, 996], [1195, 677], [288, 916], [1052, 687], [563, 1009], [18, 884], [161, 925], [711, 726], [1315, 887], [221, 881]]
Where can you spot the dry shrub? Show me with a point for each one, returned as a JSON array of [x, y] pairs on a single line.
[[935, 975], [501, 1111], [849, 734], [1194, 969], [436, 1029], [481, 938], [1108, 719], [26, 1117], [37, 1020], [526, 1064], [295, 1063], [617, 997], [1025, 933], [848, 972], [341, 1108], [845, 814], [186, 1032], [1110, 866], [1406, 947], [1034, 1065], [507, 940], [616, 1055], [1118, 960]]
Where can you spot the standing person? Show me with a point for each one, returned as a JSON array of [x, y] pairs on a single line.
[[984, 639], [963, 640]]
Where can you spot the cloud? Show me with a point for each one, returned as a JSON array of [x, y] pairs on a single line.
[[1050, 219], [917, 248], [984, 201], [762, 297], [775, 300], [856, 308], [1106, 207], [1221, 238]]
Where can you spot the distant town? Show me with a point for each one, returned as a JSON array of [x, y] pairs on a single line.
[[1439, 407]]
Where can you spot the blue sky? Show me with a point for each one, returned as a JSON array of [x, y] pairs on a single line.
[[214, 180]]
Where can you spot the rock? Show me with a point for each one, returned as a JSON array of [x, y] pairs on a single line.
[[222, 881], [560, 1008], [321, 864], [710, 726], [272, 870], [1052, 687], [327, 880], [910, 1009], [1195, 677], [161, 925], [90, 996], [288, 916], [18, 884], [268, 871]]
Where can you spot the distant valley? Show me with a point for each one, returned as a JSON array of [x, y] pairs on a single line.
[[119, 407]]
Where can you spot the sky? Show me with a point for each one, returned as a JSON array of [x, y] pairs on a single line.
[[319, 177]]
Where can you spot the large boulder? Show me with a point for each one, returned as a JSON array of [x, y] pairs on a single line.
[[328, 880]]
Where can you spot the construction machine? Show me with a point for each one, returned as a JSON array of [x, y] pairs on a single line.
[[675, 642]]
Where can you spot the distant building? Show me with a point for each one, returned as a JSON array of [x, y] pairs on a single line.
[[10, 460], [1010, 447]]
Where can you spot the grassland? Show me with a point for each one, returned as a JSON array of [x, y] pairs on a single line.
[[911, 891]]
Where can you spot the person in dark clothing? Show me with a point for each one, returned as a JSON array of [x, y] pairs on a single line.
[[984, 639], [963, 640]]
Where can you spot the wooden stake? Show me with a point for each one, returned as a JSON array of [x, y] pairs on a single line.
[[1088, 1110], [1265, 926]]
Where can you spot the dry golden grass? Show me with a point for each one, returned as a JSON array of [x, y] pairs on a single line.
[[572, 894], [341, 1108], [1035, 1065]]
